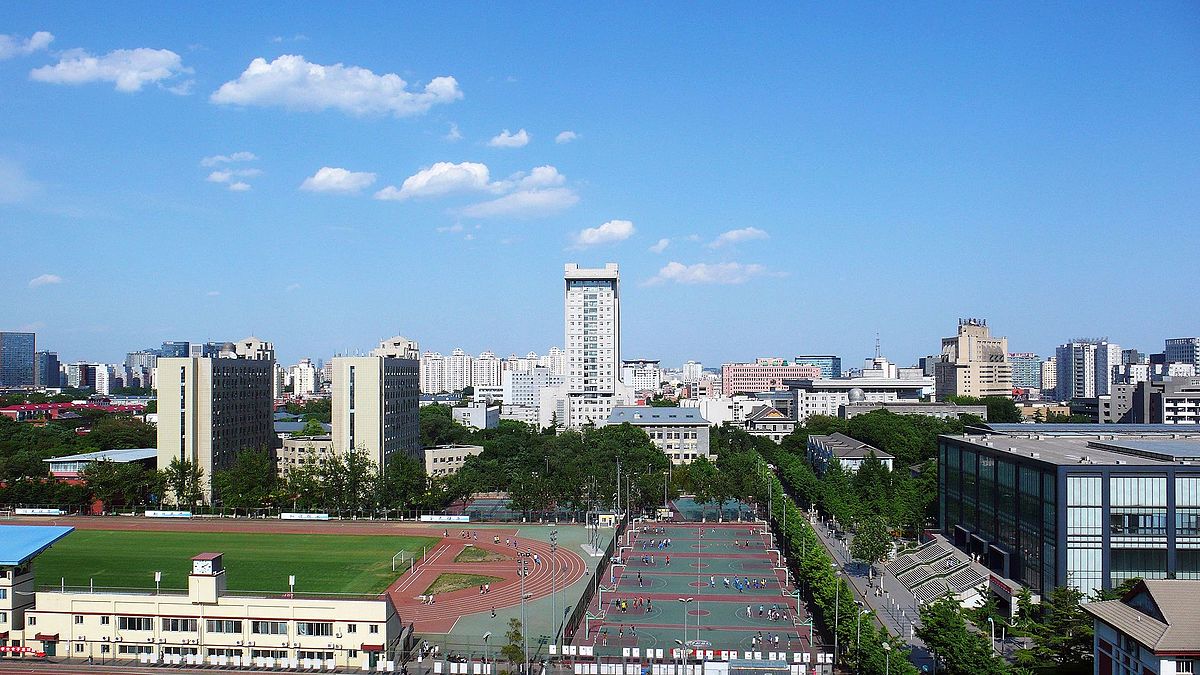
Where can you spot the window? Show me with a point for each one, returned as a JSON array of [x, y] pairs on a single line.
[[352, 654], [105, 620], [78, 647], [223, 626], [3, 617], [351, 628], [314, 628], [179, 625], [78, 619], [181, 651], [222, 651], [135, 623], [135, 649], [268, 653], [269, 627], [374, 628], [105, 648], [3, 593], [324, 656], [1185, 668]]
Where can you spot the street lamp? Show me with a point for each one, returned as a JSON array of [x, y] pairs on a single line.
[[837, 608], [858, 642], [887, 658], [487, 651], [993, 624], [685, 602]]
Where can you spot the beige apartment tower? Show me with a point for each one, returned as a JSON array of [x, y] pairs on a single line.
[[210, 409], [973, 363], [375, 400]]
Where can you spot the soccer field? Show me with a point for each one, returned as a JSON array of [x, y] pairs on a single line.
[[322, 563]]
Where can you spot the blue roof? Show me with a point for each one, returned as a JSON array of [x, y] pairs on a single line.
[[644, 414], [292, 427], [128, 455], [20, 543]]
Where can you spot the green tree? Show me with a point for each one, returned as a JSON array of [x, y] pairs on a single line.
[[514, 650], [871, 542], [402, 484], [185, 480], [249, 483], [311, 428], [958, 649], [1062, 634]]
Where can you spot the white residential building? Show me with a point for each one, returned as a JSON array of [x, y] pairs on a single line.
[[1108, 360], [555, 360], [458, 370], [692, 372], [1085, 368], [304, 378], [485, 372], [433, 373], [1050, 374], [106, 377]]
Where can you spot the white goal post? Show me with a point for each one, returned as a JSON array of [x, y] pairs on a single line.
[[403, 556]]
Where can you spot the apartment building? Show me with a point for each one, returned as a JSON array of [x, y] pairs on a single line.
[[973, 363], [375, 406]]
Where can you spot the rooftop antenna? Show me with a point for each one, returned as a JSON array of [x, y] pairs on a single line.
[[877, 344]]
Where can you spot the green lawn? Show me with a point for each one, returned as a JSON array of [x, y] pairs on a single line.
[[474, 554], [322, 563], [448, 583]]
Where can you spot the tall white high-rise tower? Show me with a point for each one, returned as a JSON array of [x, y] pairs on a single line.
[[592, 327]]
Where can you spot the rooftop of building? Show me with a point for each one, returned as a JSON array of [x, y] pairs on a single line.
[[292, 427], [641, 415], [860, 382], [119, 456], [21, 543], [1163, 614], [842, 446], [1093, 444]]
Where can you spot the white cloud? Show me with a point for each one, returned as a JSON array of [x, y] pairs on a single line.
[[333, 179], [454, 134], [229, 177], [442, 178], [44, 280], [608, 233], [510, 140], [565, 137], [13, 45], [737, 236], [15, 186], [457, 227], [539, 192], [241, 156], [706, 273], [660, 245], [292, 82], [540, 177], [128, 69], [292, 287], [525, 204], [213, 294]]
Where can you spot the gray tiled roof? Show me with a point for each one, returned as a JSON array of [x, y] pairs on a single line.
[[1178, 601]]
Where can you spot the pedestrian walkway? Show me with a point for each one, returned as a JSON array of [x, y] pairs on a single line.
[[893, 604]]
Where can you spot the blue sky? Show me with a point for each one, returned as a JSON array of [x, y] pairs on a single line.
[[881, 169]]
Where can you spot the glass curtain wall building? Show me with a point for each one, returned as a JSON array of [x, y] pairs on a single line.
[[1073, 506]]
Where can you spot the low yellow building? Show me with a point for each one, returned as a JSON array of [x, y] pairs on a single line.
[[212, 626]]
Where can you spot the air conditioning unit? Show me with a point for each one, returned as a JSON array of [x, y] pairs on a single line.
[[295, 644], [162, 639], [239, 643], [117, 639], [250, 643], [149, 639], [285, 643], [105, 638], [337, 635]]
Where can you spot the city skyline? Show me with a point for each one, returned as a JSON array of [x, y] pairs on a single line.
[[792, 180]]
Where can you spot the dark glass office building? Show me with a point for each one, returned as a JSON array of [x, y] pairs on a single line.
[[16, 359], [1081, 505]]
